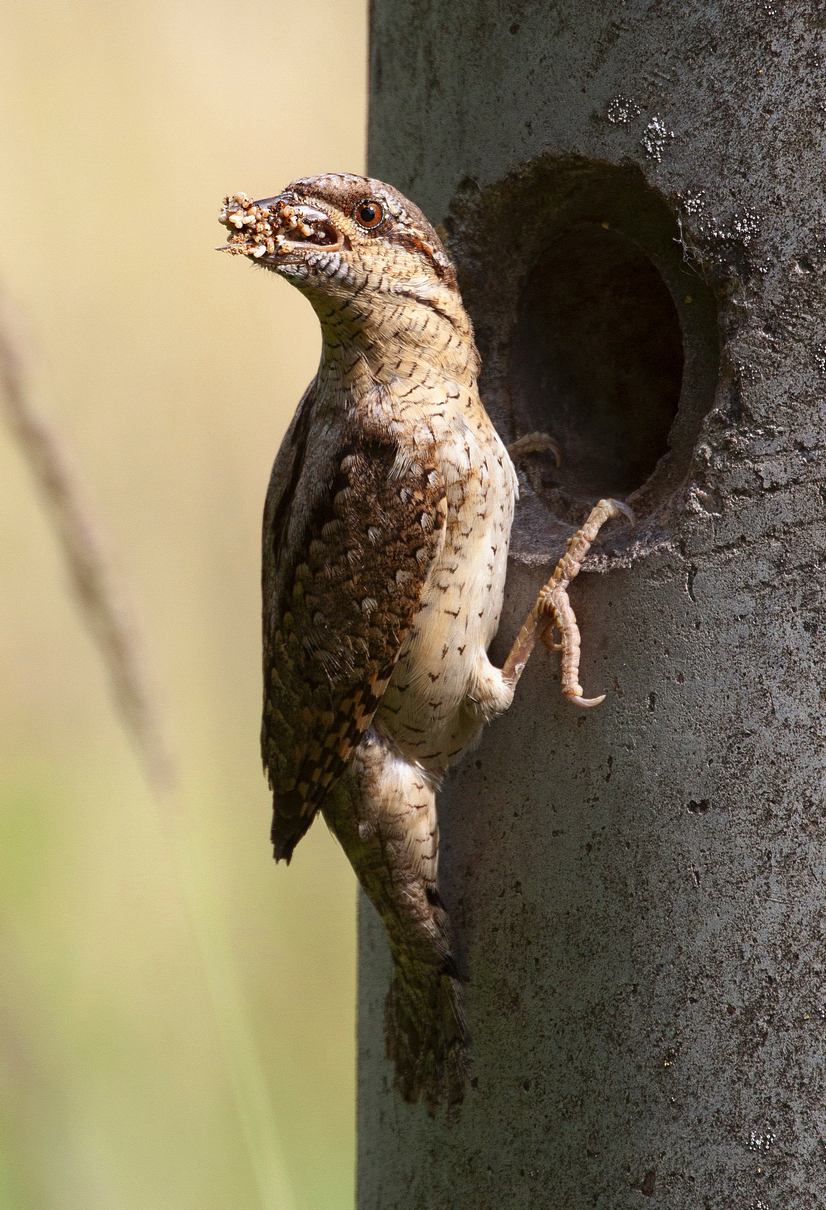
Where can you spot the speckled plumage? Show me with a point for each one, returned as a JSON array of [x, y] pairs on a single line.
[[385, 545]]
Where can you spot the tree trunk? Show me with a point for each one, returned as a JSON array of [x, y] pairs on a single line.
[[633, 196]]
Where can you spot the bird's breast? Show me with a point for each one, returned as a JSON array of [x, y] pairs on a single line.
[[428, 708]]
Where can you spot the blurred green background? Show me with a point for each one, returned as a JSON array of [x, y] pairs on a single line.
[[176, 1012]]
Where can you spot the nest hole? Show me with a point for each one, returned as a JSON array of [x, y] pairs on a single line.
[[595, 325], [596, 360]]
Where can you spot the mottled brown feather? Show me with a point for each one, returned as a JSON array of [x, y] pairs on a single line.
[[338, 605]]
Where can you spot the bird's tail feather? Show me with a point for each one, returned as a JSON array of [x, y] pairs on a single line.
[[383, 812], [427, 1036]]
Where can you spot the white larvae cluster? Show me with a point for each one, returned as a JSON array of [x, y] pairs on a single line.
[[261, 231], [257, 231]]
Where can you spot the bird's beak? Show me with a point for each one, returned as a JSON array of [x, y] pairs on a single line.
[[275, 228]]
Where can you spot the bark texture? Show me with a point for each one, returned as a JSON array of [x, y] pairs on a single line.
[[637, 891]]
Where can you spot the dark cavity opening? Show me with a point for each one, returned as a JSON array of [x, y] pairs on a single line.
[[596, 326], [596, 359]]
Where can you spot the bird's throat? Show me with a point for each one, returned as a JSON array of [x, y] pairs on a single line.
[[409, 341]]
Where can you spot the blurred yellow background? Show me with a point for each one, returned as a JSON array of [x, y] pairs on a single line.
[[176, 1012]]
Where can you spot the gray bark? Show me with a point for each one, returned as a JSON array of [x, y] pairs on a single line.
[[638, 891]]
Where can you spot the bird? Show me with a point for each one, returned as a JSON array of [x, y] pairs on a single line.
[[385, 542]]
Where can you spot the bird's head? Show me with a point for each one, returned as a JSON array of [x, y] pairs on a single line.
[[348, 242]]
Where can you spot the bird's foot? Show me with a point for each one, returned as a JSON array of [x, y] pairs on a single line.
[[552, 610], [553, 599], [536, 443], [563, 619]]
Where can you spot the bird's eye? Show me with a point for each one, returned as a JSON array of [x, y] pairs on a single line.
[[369, 214]]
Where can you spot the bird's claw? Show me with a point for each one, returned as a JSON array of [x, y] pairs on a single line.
[[625, 509], [578, 700], [536, 443]]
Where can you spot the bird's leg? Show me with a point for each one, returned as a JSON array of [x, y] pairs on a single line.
[[552, 609]]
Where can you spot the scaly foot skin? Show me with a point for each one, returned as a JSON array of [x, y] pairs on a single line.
[[553, 603]]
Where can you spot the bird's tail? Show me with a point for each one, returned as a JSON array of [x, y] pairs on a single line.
[[383, 812], [427, 1036]]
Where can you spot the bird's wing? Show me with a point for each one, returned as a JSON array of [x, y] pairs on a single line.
[[342, 582]]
